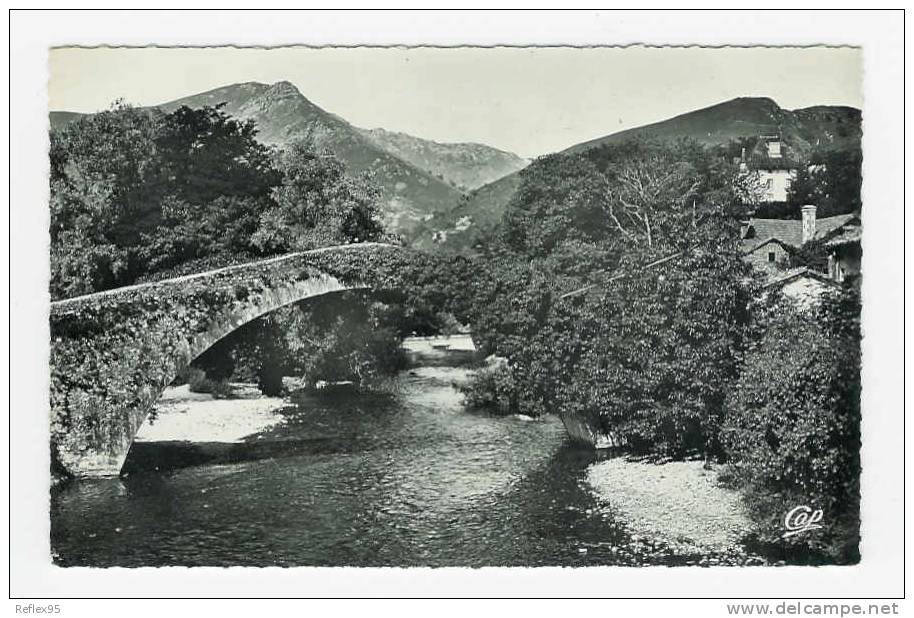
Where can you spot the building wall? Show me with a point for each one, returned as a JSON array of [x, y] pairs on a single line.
[[761, 260], [775, 183]]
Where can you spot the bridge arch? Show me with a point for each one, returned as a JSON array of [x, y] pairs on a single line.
[[113, 353]]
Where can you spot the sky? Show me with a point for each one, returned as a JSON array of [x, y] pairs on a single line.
[[530, 101]]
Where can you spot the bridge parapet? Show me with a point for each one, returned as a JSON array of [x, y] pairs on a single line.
[[114, 352]]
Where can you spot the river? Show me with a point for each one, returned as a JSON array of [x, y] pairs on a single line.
[[403, 477]]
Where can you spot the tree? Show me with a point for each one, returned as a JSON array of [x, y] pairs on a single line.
[[206, 154], [805, 188], [832, 181], [620, 296], [317, 205], [104, 187], [840, 181], [136, 191]]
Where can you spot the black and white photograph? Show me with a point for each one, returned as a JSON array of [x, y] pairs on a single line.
[[456, 306]]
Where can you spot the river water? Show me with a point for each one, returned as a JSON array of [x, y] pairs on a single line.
[[404, 477]]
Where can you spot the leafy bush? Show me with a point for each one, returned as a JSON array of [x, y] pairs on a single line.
[[491, 388], [198, 382], [793, 425]]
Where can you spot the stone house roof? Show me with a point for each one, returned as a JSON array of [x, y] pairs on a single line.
[[800, 273], [845, 236], [790, 231], [757, 243], [761, 161]]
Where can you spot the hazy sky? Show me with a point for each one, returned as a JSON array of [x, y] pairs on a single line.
[[527, 100]]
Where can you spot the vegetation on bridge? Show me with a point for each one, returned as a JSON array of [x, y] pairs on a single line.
[[111, 354]]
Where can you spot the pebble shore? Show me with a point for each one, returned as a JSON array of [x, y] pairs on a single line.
[[678, 503]]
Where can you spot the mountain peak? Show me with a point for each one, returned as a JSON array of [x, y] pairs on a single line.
[[283, 89]]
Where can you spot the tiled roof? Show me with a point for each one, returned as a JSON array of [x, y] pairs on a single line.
[[762, 161], [754, 244], [789, 231], [797, 273], [847, 235]]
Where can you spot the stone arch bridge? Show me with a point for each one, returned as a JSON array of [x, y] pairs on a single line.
[[114, 352]]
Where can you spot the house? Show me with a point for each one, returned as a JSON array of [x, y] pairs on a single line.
[[773, 167], [802, 285], [768, 243], [844, 251]]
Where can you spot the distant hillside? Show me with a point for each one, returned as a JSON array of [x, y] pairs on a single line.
[[458, 229], [283, 115], [464, 165], [803, 130], [61, 119]]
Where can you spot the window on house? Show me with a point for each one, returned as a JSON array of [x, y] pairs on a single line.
[[771, 256]]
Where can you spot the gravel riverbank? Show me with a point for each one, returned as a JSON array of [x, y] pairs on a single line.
[[184, 416], [679, 503]]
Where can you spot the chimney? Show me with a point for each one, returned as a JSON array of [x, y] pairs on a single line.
[[809, 222]]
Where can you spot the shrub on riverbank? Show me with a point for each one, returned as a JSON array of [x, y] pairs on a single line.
[[198, 382], [492, 388], [793, 427]]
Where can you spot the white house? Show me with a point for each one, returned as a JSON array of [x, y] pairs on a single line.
[[774, 169]]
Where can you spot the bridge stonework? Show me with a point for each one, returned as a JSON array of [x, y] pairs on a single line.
[[113, 353]]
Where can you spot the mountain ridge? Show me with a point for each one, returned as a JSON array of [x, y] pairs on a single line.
[[803, 129], [417, 177], [466, 165]]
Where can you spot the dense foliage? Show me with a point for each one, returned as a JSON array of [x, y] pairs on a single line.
[[619, 300], [345, 337], [135, 192], [836, 178], [793, 427], [620, 296]]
